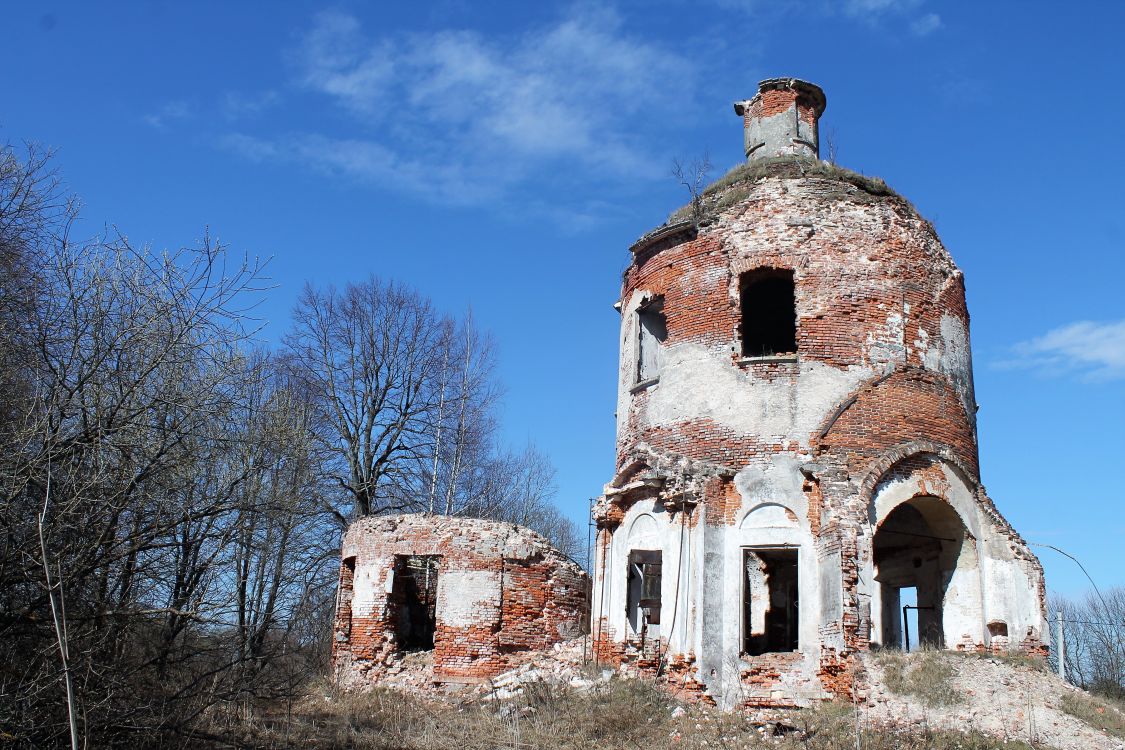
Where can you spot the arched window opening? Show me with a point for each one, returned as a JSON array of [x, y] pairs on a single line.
[[769, 313]]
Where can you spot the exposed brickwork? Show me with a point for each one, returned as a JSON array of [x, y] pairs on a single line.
[[896, 410], [877, 402], [501, 590]]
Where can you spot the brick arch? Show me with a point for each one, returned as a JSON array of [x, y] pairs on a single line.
[[908, 405], [892, 458], [631, 467]]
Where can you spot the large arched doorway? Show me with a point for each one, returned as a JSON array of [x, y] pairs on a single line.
[[919, 546]]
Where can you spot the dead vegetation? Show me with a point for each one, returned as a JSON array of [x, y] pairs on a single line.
[[1106, 715], [620, 713], [736, 184], [927, 677]]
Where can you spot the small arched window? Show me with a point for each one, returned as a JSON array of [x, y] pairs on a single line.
[[769, 313]]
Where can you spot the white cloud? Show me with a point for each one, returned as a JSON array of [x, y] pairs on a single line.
[[873, 13], [927, 24], [1094, 351], [367, 162], [168, 113], [459, 117], [877, 7]]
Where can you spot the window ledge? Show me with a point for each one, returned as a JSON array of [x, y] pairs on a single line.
[[644, 384], [767, 358]]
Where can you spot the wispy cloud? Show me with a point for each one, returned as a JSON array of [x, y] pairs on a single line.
[[877, 12], [1090, 350], [457, 116], [238, 105], [874, 13], [168, 113], [926, 24]]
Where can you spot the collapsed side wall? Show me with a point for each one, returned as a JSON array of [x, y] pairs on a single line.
[[501, 590]]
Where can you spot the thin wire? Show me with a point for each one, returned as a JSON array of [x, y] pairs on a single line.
[[1079, 564], [1088, 622], [676, 602]]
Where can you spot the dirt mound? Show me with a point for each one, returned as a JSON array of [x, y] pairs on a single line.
[[1011, 699]]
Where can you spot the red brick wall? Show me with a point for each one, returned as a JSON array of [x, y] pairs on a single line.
[[879, 259], [540, 597]]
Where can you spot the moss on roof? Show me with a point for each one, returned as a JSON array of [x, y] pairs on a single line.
[[736, 184]]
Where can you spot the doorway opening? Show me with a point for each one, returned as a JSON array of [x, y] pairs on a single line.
[[413, 601], [917, 548], [771, 613]]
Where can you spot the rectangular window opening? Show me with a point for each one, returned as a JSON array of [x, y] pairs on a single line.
[[643, 587], [652, 332], [769, 600], [413, 601], [769, 313]]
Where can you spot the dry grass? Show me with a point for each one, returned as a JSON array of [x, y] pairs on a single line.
[[620, 713], [926, 675], [1012, 658], [1098, 713]]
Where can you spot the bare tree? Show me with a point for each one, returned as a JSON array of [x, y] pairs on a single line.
[[521, 488], [1094, 628], [171, 497], [693, 177], [371, 355]]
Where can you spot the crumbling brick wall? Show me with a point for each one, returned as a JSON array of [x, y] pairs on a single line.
[[881, 381], [501, 589]]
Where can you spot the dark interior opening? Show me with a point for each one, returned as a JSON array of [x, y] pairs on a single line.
[[770, 602], [344, 600], [413, 601], [643, 589], [769, 313]]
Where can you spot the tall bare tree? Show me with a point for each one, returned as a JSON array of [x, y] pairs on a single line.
[[371, 356]]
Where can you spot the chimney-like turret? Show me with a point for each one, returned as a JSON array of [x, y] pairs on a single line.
[[781, 120]]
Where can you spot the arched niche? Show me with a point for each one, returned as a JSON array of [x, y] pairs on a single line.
[[644, 529], [769, 516]]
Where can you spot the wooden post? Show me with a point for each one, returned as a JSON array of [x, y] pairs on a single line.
[[1060, 643]]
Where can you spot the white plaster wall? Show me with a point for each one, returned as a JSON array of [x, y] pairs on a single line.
[[950, 354], [467, 597], [369, 582], [700, 382], [645, 527], [1008, 585], [963, 605]]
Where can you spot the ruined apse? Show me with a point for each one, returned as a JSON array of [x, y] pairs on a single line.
[[467, 594], [796, 437]]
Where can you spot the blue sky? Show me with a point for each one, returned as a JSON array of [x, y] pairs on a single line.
[[506, 156]]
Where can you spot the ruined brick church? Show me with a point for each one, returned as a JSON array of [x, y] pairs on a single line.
[[796, 436], [796, 462]]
